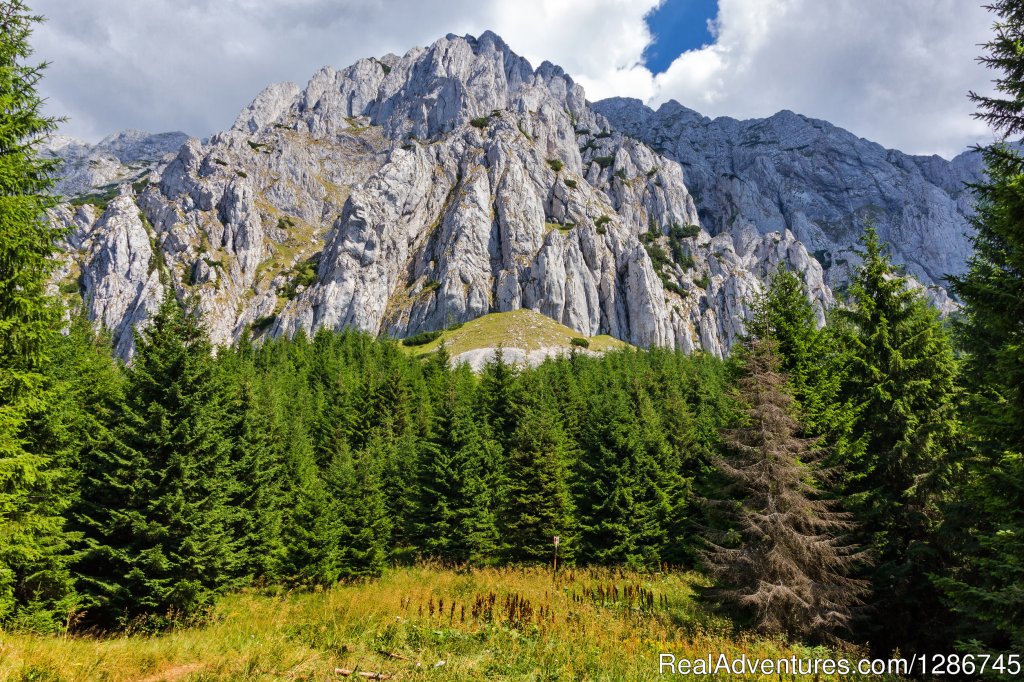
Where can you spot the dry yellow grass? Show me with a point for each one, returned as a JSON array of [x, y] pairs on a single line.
[[418, 623]]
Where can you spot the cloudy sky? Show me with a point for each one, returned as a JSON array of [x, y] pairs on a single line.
[[894, 71]]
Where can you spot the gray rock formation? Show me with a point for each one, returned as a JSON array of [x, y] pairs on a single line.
[[820, 182], [405, 194], [124, 156]]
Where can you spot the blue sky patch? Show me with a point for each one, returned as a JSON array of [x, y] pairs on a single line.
[[677, 26]]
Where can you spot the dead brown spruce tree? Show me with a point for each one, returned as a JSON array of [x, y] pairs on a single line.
[[784, 562]]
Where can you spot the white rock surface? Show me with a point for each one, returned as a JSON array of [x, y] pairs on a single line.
[[124, 156], [822, 183], [405, 194]]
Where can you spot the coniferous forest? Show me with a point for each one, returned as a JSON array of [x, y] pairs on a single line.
[[861, 482]]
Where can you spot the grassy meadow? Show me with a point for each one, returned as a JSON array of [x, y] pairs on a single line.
[[524, 328], [422, 623]]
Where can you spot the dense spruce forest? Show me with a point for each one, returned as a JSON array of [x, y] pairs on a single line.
[[863, 481]]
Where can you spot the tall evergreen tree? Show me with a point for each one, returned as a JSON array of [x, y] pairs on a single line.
[[811, 357], [157, 543], [536, 503], [35, 590], [497, 397], [790, 572], [901, 383], [357, 512], [986, 589], [458, 477], [622, 507], [258, 494]]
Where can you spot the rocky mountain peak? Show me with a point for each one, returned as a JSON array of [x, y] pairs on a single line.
[[120, 157], [423, 94], [408, 194], [823, 183]]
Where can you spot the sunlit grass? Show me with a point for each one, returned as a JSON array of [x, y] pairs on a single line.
[[417, 623], [523, 328]]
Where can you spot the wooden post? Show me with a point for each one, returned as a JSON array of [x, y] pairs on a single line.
[[554, 564]]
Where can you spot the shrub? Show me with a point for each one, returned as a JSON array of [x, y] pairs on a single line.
[[571, 184], [556, 164], [241, 174], [604, 161], [421, 339], [621, 174], [73, 287], [579, 342], [684, 231], [264, 322], [676, 289], [704, 282], [603, 134], [657, 254], [600, 224], [479, 122], [303, 277], [98, 199]]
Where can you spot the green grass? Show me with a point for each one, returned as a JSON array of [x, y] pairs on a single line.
[[421, 623], [564, 229], [100, 198], [525, 329]]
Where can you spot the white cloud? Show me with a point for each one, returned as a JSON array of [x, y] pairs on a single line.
[[194, 64], [891, 70]]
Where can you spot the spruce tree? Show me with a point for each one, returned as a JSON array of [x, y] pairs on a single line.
[[811, 357], [257, 476], [457, 482], [536, 503], [985, 589], [790, 571], [35, 590], [900, 381], [497, 396], [622, 507], [157, 545], [357, 516], [311, 533]]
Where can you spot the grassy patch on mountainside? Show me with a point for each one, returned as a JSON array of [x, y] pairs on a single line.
[[525, 329], [419, 623]]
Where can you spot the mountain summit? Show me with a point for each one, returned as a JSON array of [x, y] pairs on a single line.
[[408, 194], [821, 182]]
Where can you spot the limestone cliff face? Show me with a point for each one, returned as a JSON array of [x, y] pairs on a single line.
[[405, 194], [121, 157], [822, 183]]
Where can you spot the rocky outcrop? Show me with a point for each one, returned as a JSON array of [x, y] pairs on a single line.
[[820, 182], [405, 194], [124, 156]]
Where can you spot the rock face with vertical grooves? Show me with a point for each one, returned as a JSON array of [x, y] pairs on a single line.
[[405, 194], [824, 184]]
